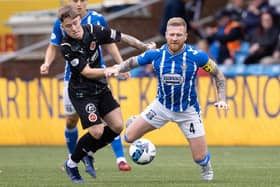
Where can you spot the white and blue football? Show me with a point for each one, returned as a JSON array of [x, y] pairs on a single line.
[[142, 151]]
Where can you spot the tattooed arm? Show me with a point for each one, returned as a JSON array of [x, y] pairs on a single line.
[[123, 67], [212, 68], [134, 42], [128, 64]]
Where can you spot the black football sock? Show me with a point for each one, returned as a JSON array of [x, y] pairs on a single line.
[[88, 143]]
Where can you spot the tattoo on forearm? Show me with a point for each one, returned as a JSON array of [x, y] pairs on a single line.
[[220, 85], [128, 65], [212, 68], [134, 42]]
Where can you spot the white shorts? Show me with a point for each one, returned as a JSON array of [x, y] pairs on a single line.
[[189, 121], [68, 107]]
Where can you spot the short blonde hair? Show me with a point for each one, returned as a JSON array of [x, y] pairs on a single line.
[[177, 21], [67, 11]]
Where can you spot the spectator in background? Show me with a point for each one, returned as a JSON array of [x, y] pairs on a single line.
[[251, 17], [237, 7], [189, 10], [275, 58], [228, 34], [275, 4], [263, 40], [203, 45], [172, 8]]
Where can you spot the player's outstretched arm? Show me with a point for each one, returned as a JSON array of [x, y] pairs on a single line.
[[134, 42], [49, 58], [123, 67], [212, 68]]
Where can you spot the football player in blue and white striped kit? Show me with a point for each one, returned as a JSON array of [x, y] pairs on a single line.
[[71, 131], [176, 65]]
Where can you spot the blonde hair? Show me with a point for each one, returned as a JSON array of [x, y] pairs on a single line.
[[67, 11], [177, 21]]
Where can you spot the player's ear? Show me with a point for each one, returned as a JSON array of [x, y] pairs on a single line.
[[61, 25], [186, 36]]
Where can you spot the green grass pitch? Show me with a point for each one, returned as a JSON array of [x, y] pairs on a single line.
[[172, 167]]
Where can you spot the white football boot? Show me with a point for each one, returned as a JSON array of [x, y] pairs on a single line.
[[207, 172]]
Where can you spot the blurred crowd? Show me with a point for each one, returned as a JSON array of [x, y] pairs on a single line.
[[241, 32], [244, 31]]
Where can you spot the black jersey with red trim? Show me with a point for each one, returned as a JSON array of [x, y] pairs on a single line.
[[78, 53]]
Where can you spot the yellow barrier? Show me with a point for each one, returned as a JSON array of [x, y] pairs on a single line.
[[31, 112]]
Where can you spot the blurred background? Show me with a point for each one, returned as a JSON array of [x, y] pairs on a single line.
[[241, 35]]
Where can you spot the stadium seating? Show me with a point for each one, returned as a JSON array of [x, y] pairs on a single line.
[[254, 69]]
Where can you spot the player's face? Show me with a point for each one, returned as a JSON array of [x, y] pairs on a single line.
[[73, 27], [175, 37], [81, 6]]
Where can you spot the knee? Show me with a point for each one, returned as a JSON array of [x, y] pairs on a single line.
[[71, 121], [96, 131], [117, 127], [128, 138]]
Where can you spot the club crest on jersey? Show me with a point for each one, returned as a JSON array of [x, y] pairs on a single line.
[[92, 45], [184, 66], [53, 36], [74, 62], [90, 108], [92, 117], [173, 79]]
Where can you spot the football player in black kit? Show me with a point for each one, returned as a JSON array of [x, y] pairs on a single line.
[[88, 87]]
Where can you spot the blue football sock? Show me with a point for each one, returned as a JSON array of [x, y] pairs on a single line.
[[71, 136], [204, 161], [117, 147]]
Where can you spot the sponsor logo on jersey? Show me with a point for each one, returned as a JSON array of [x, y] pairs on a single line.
[[173, 79], [90, 108], [92, 117], [74, 62], [92, 45]]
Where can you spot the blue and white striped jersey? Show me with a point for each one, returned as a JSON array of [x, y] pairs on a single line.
[[57, 34], [176, 75]]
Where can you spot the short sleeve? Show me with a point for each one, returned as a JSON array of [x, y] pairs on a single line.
[[200, 57], [57, 35], [103, 21], [106, 35], [147, 57]]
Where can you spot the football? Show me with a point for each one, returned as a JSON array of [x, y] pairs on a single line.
[[142, 151]]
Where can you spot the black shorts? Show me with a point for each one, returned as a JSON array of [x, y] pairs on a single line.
[[91, 108]]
